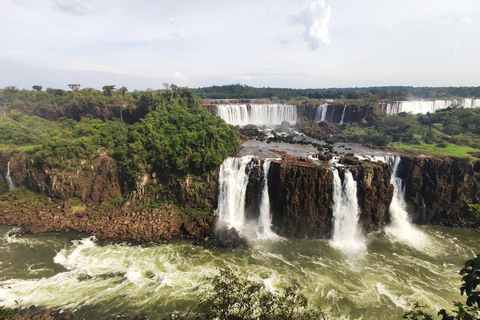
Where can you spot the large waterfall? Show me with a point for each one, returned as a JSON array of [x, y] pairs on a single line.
[[400, 226], [347, 235], [257, 114], [425, 106], [233, 181], [8, 176]]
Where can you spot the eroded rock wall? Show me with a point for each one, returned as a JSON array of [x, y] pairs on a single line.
[[440, 190]]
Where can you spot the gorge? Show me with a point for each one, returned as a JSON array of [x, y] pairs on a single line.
[[341, 228]]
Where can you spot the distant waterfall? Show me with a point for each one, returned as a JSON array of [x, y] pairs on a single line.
[[265, 219], [343, 114], [8, 176], [257, 114], [426, 106], [347, 235], [400, 226], [321, 114], [233, 180]]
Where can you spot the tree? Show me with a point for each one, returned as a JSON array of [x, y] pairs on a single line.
[[108, 90], [235, 297], [11, 89], [37, 88], [166, 85], [123, 90], [74, 86]]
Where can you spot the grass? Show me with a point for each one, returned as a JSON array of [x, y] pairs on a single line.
[[449, 150]]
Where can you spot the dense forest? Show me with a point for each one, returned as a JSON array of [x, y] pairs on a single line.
[[238, 91], [176, 135]]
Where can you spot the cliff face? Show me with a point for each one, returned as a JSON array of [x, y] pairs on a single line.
[[439, 191], [374, 194], [94, 182], [88, 198], [301, 197]]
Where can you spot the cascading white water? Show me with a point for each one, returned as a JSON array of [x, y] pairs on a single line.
[[233, 180], [265, 218], [257, 114], [8, 176], [343, 114], [347, 236], [321, 114], [425, 106], [400, 226]]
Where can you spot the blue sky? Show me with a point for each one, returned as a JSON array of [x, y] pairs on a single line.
[[280, 43]]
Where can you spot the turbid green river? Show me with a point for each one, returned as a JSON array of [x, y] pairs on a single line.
[[100, 279]]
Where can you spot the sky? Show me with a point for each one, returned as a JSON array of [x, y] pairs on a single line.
[[264, 43]]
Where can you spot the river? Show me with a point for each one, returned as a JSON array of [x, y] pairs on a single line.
[[101, 279]]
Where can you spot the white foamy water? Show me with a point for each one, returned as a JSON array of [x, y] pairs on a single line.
[[257, 114], [343, 114], [346, 233], [427, 106], [400, 227], [321, 113], [265, 219], [100, 280], [8, 176], [233, 182]]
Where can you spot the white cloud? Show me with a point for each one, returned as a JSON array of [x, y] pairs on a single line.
[[467, 20], [316, 19], [75, 7]]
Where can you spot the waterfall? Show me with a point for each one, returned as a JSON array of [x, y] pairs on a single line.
[[321, 114], [265, 219], [257, 114], [233, 180], [400, 226], [343, 114], [121, 114], [425, 106], [8, 176], [347, 236]]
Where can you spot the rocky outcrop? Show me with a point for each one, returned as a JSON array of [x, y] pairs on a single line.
[[88, 198], [440, 190], [95, 181], [374, 194], [301, 196]]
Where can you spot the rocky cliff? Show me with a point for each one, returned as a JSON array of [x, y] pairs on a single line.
[[301, 195], [442, 191], [88, 198]]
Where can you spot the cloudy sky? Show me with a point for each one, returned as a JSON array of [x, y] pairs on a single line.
[[278, 43]]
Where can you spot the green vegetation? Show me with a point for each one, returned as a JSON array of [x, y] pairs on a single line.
[[6, 313], [238, 91], [176, 136], [442, 149], [234, 297], [448, 132], [470, 311]]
